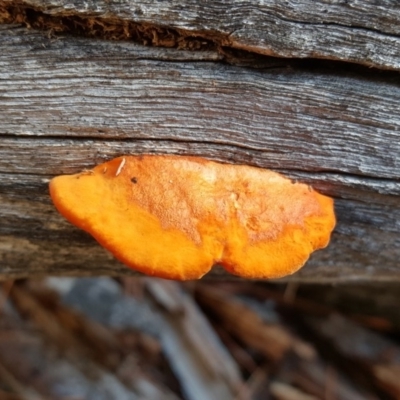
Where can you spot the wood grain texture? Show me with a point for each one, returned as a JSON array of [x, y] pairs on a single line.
[[67, 104], [354, 31]]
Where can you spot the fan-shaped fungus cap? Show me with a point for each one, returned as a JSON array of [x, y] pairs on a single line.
[[174, 217]]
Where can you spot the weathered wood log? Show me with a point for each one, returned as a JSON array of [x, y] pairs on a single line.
[[68, 103], [359, 32]]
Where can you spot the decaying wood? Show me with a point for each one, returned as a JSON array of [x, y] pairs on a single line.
[[270, 339], [91, 353], [68, 103], [88, 338], [368, 354], [359, 32], [197, 356]]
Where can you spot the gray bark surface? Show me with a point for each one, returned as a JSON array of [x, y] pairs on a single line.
[[355, 31], [69, 103]]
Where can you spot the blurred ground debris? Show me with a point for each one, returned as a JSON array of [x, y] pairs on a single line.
[[150, 339]]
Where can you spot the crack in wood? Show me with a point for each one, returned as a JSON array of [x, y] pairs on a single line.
[[104, 28], [233, 50]]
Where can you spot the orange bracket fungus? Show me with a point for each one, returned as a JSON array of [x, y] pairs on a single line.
[[175, 217]]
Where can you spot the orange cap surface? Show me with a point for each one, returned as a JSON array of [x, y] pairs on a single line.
[[174, 217]]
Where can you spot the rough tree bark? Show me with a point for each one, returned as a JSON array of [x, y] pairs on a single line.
[[68, 102]]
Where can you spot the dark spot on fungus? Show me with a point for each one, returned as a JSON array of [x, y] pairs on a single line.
[[134, 179]]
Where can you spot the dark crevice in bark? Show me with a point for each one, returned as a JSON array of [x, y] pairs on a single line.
[[104, 28], [117, 29]]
